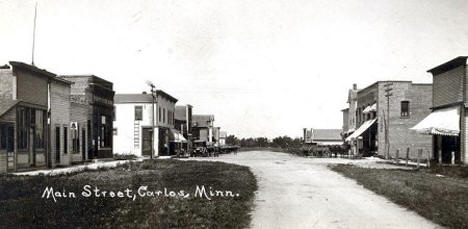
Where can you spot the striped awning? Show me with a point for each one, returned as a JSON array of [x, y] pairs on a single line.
[[366, 125], [440, 122]]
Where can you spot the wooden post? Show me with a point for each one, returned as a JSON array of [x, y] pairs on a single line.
[[453, 157], [407, 156], [439, 145], [428, 159], [397, 156], [419, 157]]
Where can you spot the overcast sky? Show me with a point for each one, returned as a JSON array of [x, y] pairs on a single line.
[[262, 67]]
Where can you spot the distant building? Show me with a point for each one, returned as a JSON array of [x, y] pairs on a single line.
[[377, 132], [349, 113], [202, 129], [447, 124], [133, 133], [183, 123], [92, 106], [323, 136], [222, 138]]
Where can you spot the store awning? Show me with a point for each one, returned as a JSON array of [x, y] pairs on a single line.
[[177, 137], [440, 122], [366, 125], [370, 108]]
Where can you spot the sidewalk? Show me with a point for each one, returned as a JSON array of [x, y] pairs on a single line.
[[77, 168]]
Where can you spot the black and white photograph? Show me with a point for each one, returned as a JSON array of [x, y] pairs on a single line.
[[234, 114]]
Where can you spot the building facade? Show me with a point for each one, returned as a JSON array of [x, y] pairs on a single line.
[[25, 103], [96, 96], [134, 133], [447, 123], [183, 123], [383, 123], [349, 113], [202, 129]]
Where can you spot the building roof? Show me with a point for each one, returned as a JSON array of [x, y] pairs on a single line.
[[326, 134], [202, 120], [6, 105], [133, 98], [164, 94], [43, 72], [451, 64]]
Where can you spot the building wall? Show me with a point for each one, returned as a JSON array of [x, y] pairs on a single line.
[[448, 87], [166, 106], [345, 126], [400, 137], [7, 84], [125, 123], [365, 97], [31, 87], [60, 116], [8, 117], [79, 114]]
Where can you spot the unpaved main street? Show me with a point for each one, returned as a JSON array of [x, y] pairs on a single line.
[[297, 192]]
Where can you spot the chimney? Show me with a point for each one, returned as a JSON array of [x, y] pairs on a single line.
[[354, 86]]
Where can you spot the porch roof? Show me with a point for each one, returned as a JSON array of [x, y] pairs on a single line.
[[440, 122], [6, 105]]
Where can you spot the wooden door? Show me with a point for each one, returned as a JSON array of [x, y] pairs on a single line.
[[147, 138], [7, 145]]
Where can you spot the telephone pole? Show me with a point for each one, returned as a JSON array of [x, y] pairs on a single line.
[[34, 35], [388, 94]]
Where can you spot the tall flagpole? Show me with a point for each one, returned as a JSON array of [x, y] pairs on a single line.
[[34, 35]]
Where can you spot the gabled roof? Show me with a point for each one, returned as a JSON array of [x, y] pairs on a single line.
[[202, 120], [6, 105], [461, 60], [133, 98], [326, 134]]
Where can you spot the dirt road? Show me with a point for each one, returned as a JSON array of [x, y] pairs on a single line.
[[297, 192]]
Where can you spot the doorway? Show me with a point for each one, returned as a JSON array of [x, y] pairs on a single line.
[[57, 144], [83, 143], [147, 144], [7, 145]]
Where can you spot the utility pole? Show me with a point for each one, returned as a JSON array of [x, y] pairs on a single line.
[[153, 94], [34, 35], [388, 94]]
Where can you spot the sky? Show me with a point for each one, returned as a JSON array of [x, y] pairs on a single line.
[[264, 68]]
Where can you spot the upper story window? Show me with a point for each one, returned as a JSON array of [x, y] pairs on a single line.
[[405, 109], [164, 115], [138, 113], [160, 115]]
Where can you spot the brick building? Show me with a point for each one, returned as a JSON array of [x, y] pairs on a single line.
[[447, 123], [382, 129], [92, 106]]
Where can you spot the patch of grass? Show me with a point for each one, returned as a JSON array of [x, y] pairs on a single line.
[[451, 171], [21, 205], [442, 200]]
